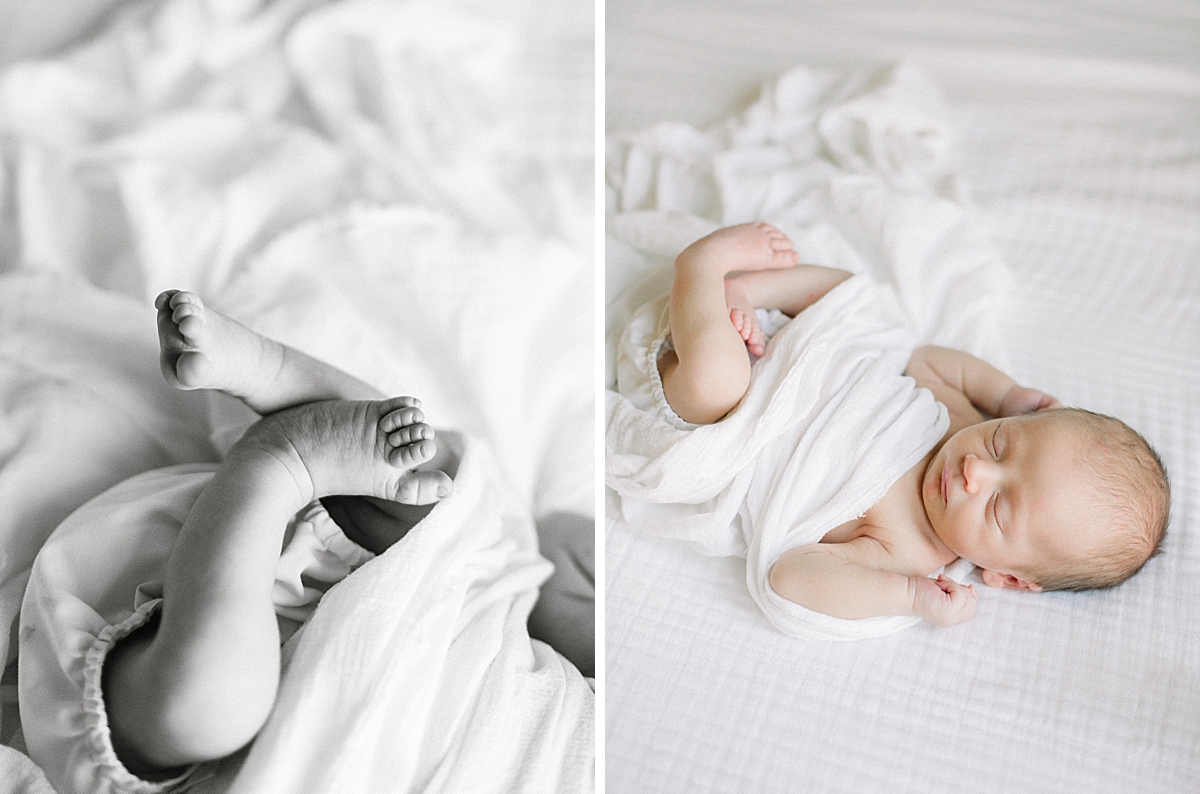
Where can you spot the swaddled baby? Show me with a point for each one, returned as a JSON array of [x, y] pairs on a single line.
[[1040, 497]]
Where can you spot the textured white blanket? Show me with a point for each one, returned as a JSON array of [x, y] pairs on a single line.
[[421, 666]]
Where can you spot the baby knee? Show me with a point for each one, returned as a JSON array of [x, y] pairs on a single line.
[[161, 722]]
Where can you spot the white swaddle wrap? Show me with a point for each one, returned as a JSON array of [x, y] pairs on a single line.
[[828, 423]]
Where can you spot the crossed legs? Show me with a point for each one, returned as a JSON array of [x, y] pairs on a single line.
[[719, 281], [199, 681]]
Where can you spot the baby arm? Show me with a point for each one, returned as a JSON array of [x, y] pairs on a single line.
[[841, 580], [963, 382]]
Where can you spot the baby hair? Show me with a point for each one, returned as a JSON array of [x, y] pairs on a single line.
[[1131, 492]]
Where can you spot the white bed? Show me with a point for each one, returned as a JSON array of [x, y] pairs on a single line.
[[1079, 144], [405, 189]]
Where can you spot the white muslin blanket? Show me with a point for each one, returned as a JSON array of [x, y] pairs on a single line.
[[416, 672], [828, 424], [447, 694]]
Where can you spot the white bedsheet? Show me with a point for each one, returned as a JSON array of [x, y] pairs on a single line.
[[401, 188], [1077, 141]]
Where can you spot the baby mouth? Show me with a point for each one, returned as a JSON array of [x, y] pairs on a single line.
[[945, 485]]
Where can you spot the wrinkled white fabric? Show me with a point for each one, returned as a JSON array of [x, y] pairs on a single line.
[[828, 423], [853, 168], [447, 692], [20, 775], [401, 188], [75, 610]]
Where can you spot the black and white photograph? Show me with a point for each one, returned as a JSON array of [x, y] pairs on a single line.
[[297, 396]]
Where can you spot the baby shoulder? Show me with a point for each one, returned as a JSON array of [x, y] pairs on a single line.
[[889, 549]]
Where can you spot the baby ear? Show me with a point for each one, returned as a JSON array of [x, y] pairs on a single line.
[[1007, 580]]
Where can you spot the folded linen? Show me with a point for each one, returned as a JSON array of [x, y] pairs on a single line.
[[828, 423]]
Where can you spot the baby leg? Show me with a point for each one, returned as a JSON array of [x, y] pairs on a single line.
[[708, 372], [790, 290], [200, 348], [199, 683]]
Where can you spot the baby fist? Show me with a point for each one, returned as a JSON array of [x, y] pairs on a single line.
[[1020, 400], [943, 601]]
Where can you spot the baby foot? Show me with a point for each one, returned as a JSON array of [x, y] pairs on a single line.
[[339, 447], [749, 246], [200, 348], [746, 323], [741, 314]]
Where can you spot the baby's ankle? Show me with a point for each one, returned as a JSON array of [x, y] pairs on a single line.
[[265, 380], [267, 450]]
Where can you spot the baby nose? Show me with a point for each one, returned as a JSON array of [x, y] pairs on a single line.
[[977, 473]]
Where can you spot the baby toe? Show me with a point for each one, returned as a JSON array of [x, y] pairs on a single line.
[[396, 403], [756, 343], [735, 317], [192, 326], [409, 455], [424, 487], [785, 257], [185, 310], [411, 434], [164, 298], [193, 368], [184, 296], [401, 417], [744, 324]]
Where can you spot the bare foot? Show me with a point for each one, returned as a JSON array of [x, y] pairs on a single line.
[[200, 348], [749, 246], [376, 524], [741, 314], [342, 447]]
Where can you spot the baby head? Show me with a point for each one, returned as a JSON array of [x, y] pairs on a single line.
[[1064, 499]]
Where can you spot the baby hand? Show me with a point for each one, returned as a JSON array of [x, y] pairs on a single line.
[[943, 601], [1020, 400]]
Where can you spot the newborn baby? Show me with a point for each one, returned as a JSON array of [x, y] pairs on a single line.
[[1040, 497]]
